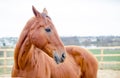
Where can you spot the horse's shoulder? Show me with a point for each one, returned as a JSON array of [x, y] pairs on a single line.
[[80, 54], [84, 59], [75, 52], [78, 51]]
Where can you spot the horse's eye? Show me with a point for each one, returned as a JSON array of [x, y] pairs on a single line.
[[48, 30]]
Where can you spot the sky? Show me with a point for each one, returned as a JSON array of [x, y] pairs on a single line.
[[70, 17]]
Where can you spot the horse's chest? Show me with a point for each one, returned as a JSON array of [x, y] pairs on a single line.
[[66, 70]]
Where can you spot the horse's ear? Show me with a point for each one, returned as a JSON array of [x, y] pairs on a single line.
[[45, 11], [36, 13]]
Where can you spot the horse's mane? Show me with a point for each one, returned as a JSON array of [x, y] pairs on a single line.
[[22, 40]]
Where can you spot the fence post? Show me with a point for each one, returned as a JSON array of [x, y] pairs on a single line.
[[102, 56], [5, 61]]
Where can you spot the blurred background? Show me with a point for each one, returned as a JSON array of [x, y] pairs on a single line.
[[92, 24]]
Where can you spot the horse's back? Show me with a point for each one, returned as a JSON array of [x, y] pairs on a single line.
[[85, 60]]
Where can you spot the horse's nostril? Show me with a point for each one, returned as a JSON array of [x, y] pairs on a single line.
[[63, 55]]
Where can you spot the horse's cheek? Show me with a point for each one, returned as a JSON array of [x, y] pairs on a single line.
[[40, 41]]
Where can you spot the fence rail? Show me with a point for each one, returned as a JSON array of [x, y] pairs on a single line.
[[102, 54], [5, 57]]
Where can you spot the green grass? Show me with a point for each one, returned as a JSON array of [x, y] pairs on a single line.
[[1, 53], [95, 51], [8, 61], [2, 70], [107, 51], [1, 62], [108, 58], [111, 58], [10, 54]]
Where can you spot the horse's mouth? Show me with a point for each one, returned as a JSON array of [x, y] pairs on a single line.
[[59, 58]]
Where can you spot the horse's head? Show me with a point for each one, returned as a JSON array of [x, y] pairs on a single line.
[[44, 36]]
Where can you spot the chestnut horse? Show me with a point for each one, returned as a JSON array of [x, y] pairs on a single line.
[[40, 53]]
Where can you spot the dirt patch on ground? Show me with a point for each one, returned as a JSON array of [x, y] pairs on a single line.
[[101, 74], [108, 73]]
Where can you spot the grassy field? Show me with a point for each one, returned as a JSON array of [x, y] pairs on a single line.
[[108, 58]]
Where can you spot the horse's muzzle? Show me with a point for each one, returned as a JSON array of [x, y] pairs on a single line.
[[59, 58]]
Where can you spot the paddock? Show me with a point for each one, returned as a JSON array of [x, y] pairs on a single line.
[[108, 57]]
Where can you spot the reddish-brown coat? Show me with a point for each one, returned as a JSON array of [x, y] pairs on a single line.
[[35, 60]]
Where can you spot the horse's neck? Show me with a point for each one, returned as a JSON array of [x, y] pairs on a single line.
[[21, 53], [28, 55]]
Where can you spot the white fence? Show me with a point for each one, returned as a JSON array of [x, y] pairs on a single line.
[[4, 58]]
